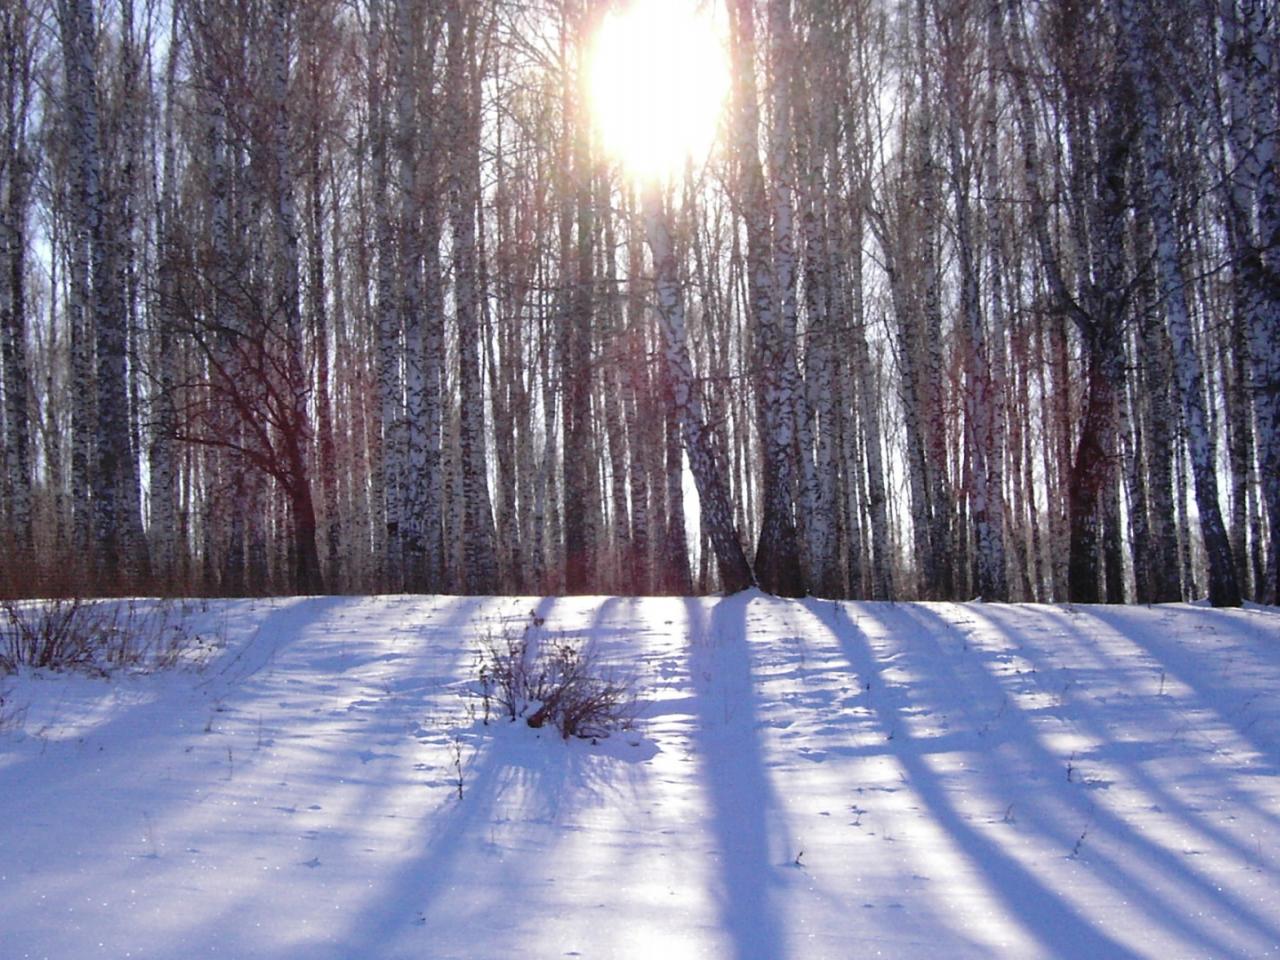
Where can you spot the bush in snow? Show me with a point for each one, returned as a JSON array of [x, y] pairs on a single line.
[[548, 679], [95, 637]]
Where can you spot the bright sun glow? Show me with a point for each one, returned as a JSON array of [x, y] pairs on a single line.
[[658, 75]]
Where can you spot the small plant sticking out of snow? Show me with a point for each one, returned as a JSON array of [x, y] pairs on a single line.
[[551, 680], [97, 637], [457, 764], [11, 715]]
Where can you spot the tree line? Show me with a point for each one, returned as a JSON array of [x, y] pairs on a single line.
[[973, 297]]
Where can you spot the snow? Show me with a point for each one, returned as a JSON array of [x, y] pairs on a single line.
[[807, 779]]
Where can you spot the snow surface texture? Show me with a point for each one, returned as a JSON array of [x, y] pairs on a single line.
[[808, 779]]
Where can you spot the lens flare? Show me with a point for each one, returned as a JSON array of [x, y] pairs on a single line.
[[658, 76]]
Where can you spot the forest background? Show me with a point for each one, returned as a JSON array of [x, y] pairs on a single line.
[[972, 297]]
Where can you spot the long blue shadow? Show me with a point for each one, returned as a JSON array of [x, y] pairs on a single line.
[[1112, 868], [733, 769], [1263, 638], [1206, 697], [1059, 930], [152, 721], [430, 872]]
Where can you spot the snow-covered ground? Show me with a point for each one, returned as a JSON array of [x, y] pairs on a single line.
[[808, 779]]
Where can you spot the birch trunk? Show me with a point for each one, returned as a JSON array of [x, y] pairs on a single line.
[[307, 576], [675, 561], [163, 479], [771, 282], [580, 554], [389, 469], [940, 580], [15, 182], [1252, 187], [420, 303], [817, 427], [611, 400], [868, 407], [317, 307], [116, 517], [1159, 416], [480, 574], [717, 511], [123, 255], [638, 400], [985, 495], [1223, 587]]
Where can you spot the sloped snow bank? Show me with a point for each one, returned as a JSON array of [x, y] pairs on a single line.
[[806, 779]]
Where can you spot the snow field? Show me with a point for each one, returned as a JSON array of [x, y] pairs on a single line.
[[807, 779]]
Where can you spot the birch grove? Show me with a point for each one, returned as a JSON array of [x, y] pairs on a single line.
[[975, 298]]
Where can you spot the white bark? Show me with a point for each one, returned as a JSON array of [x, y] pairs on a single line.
[[772, 290], [480, 554], [390, 468], [15, 165], [118, 546], [1253, 202], [985, 496], [816, 418], [1223, 588], [717, 511], [163, 480], [418, 303]]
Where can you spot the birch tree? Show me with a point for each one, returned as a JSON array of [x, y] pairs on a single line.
[[1252, 193], [717, 511], [17, 169], [1130, 15], [462, 105], [166, 542], [981, 404], [576, 235], [771, 278]]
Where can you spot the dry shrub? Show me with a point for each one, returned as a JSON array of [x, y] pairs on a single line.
[[97, 637], [551, 679]]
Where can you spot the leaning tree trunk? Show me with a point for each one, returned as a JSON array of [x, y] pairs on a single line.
[[713, 496]]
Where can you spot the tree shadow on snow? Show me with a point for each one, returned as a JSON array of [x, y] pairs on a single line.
[[489, 860], [1120, 853], [1048, 918], [1215, 669], [1116, 852], [732, 763]]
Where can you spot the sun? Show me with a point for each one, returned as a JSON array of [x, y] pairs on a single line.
[[658, 76]]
